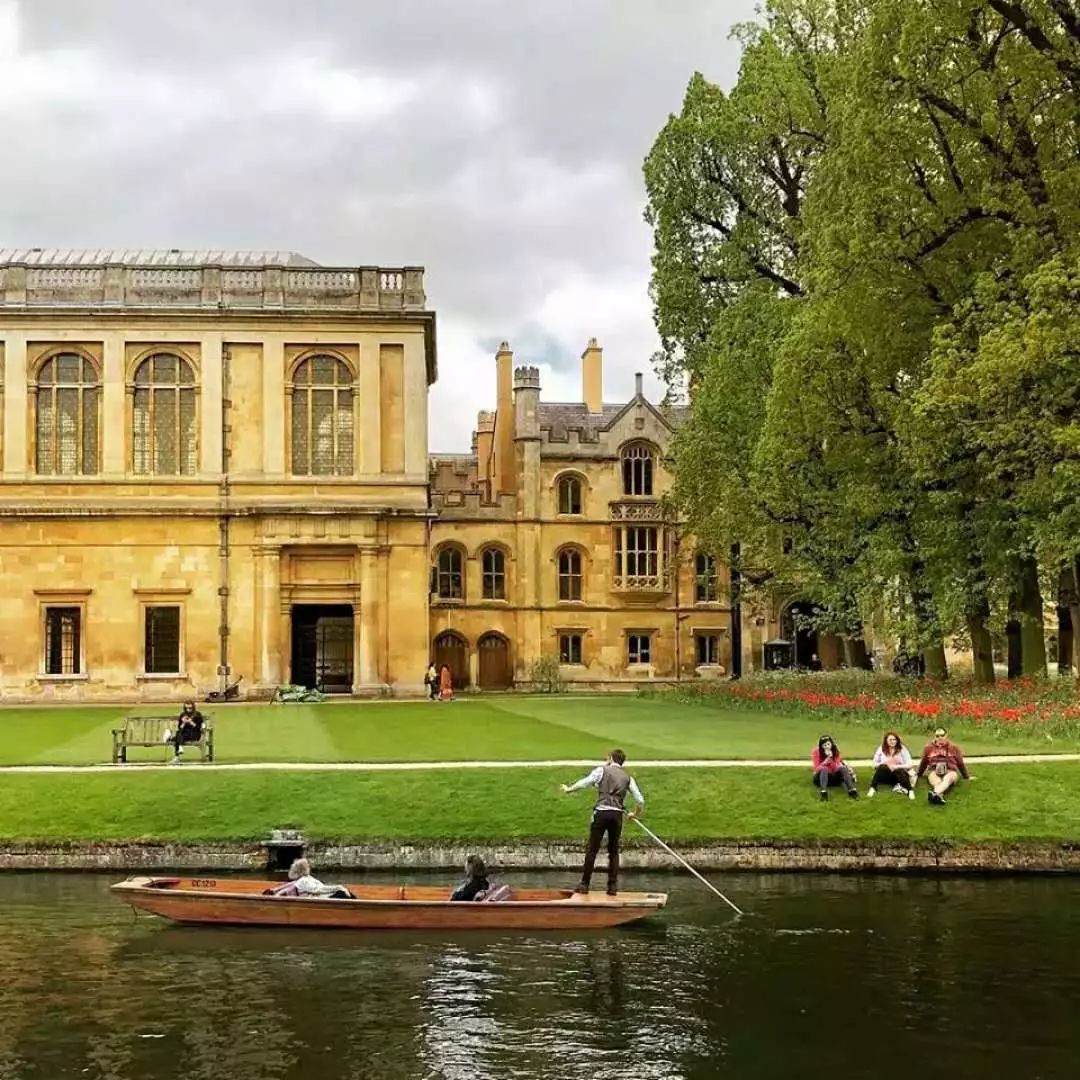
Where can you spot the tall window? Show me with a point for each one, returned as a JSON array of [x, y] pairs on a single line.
[[705, 589], [322, 418], [163, 436], [162, 643], [570, 648], [708, 649], [569, 495], [66, 432], [493, 566], [63, 640], [638, 649], [637, 470], [569, 574], [449, 580]]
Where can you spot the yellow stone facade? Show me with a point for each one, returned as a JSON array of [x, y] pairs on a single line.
[[214, 465], [552, 489]]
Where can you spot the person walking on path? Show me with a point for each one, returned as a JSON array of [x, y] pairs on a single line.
[[446, 684], [612, 783], [431, 681], [830, 769], [944, 764], [892, 765]]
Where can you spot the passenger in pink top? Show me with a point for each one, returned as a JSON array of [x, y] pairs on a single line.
[[830, 770]]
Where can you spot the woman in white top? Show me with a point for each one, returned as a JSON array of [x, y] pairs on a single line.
[[892, 765], [302, 883]]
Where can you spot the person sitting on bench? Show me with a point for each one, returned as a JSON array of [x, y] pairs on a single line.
[[189, 726]]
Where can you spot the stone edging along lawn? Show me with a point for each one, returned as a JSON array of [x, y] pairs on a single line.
[[875, 856]]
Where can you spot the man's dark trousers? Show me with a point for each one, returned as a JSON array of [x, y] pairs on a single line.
[[610, 822]]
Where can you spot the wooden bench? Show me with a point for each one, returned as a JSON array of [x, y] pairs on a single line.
[[149, 731]]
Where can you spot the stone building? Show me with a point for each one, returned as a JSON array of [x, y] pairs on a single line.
[[552, 539], [214, 465]]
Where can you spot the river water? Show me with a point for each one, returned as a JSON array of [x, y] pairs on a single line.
[[870, 976]]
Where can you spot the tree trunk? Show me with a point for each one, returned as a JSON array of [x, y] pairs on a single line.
[[934, 662], [1074, 613], [1032, 632], [849, 652], [982, 648]]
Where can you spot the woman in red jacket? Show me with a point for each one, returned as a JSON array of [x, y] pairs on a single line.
[[830, 770]]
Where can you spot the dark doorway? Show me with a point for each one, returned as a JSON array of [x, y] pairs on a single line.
[[452, 650], [494, 664], [798, 628], [322, 647]]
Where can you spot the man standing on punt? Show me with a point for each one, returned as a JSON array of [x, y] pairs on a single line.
[[612, 782]]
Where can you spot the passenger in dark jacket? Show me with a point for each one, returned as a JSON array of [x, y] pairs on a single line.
[[475, 883]]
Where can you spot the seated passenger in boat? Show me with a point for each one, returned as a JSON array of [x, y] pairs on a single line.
[[301, 883], [475, 884]]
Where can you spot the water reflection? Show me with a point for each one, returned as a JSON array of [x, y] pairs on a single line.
[[971, 978]]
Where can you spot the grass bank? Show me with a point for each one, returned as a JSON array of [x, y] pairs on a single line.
[[1008, 803], [497, 728]]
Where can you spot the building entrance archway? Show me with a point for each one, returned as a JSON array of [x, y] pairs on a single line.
[[322, 647], [494, 654], [452, 650]]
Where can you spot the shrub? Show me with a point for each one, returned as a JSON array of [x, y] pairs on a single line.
[[546, 675]]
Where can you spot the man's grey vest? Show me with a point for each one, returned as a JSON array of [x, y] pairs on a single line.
[[613, 786]]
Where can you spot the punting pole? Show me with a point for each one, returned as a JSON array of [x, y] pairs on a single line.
[[676, 855]]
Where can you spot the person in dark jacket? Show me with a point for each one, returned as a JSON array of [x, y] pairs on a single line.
[[475, 883], [189, 725], [612, 783]]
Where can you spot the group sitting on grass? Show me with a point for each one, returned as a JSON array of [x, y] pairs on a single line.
[[942, 761]]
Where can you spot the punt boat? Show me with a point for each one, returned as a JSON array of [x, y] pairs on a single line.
[[240, 902]]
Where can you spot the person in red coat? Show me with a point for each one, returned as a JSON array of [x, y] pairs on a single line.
[[830, 770]]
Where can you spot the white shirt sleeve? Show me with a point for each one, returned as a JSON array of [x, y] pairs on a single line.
[[905, 757], [636, 792], [879, 756], [589, 781]]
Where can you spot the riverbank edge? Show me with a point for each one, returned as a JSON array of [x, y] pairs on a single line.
[[846, 856]]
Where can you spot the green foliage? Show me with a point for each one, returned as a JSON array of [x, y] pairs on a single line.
[[546, 674], [866, 271]]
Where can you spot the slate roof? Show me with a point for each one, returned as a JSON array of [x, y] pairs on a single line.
[[558, 417], [150, 257]]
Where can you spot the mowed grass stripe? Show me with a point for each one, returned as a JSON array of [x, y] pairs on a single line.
[[495, 728], [1009, 803]]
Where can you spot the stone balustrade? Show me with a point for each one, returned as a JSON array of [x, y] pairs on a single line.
[[365, 288]]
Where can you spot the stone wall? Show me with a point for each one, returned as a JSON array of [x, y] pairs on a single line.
[[836, 856]]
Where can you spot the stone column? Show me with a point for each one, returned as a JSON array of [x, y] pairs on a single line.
[[113, 413], [370, 418], [366, 623], [15, 401], [416, 435], [268, 585], [210, 407], [274, 434]]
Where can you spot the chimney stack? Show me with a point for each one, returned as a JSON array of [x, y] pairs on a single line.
[[592, 377], [504, 420], [637, 385]]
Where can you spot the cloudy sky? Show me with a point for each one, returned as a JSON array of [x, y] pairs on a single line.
[[499, 144]]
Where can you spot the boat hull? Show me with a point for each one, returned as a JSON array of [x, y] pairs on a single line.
[[241, 903]]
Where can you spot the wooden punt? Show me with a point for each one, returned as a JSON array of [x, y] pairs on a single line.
[[239, 902]]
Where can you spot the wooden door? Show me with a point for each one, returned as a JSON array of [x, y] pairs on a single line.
[[494, 662], [452, 650]]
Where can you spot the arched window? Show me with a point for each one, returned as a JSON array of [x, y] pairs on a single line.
[[705, 590], [569, 495], [449, 579], [322, 418], [66, 425], [493, 566], [569, 574], [164, 441], [637, 469]]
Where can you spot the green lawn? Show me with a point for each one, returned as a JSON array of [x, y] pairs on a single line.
[[1008, 803], [497, 728]]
